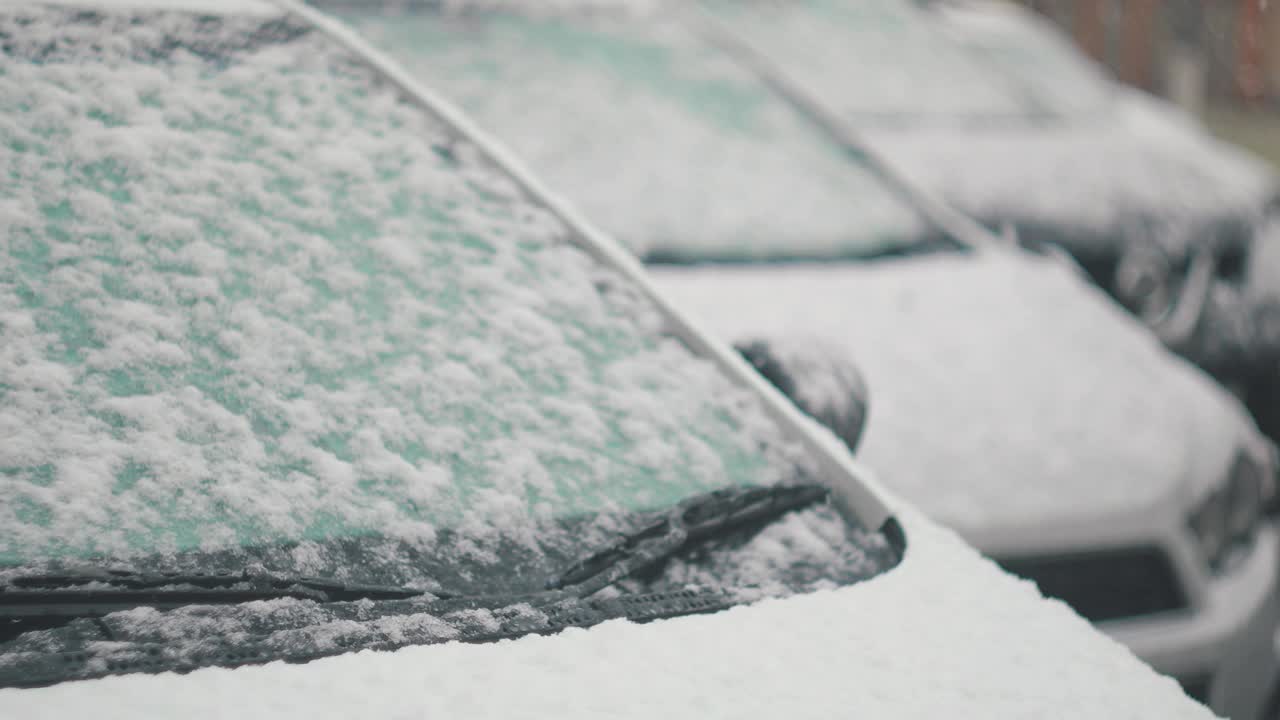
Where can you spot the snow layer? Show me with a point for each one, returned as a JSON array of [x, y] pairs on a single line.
[[1007, 394], [1032, 157], [661, 140], [248, 296], [945, 635]]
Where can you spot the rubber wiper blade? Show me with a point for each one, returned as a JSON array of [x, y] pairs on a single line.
[[695, 520], [92, 591]]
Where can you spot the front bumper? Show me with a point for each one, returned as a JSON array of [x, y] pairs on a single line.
[[1228, 636]]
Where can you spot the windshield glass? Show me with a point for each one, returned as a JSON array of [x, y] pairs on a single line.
[[1030, 52], [875, 62], [668, 144], [250, 298]]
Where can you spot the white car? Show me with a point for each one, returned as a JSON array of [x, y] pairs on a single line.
[[310, 397], [986, 106], [1012, 400]]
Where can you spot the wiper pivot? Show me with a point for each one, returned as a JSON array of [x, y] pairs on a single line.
[[695, 520]]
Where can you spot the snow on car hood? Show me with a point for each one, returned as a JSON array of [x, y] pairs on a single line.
[[1093, 175], [946, 634], [1004, 391]]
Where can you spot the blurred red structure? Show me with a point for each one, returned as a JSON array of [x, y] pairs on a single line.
[[1234, 43], [1251, 79]]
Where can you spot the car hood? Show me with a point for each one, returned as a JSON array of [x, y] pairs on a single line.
[[945, 634], [1005, 392], [1090, 179]]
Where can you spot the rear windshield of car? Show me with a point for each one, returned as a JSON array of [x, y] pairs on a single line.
[[250, 297], [666, 142]]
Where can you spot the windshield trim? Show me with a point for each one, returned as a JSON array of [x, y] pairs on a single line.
[[855, 494]]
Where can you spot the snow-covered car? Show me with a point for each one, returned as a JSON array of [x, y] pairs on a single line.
[[1012, 400], [1237, 338], [296, 366], [985, 106]]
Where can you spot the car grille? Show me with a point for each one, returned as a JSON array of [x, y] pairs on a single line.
[[1106, 585]]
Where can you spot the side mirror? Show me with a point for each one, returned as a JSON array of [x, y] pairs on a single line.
[[1143, 281], [818, 379]]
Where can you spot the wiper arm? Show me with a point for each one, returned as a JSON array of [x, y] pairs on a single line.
[[92, 592], [693, 521]]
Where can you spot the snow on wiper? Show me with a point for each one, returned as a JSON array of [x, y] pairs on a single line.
[[96, 591], [92, 591], [695, 520]]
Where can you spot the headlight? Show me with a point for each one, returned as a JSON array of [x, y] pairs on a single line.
[[1227, 519]]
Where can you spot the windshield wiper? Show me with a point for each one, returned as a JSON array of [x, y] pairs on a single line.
[[93, 591], [693, 521]]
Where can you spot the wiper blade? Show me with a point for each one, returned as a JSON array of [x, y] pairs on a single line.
[[95, 591], [90, 592], [696, 520]]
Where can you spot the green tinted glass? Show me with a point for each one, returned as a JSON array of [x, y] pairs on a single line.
[[248, 296], [663, 140]]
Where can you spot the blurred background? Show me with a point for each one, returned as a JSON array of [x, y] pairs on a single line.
[[1219, 59]]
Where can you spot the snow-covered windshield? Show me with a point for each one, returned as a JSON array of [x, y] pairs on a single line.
[[250, 297], [667, 143], [1032, 53], [878, 62]]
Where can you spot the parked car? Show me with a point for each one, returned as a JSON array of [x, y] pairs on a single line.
[[980, 104], [295, 363], [1236, 337], [1013, 400]]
